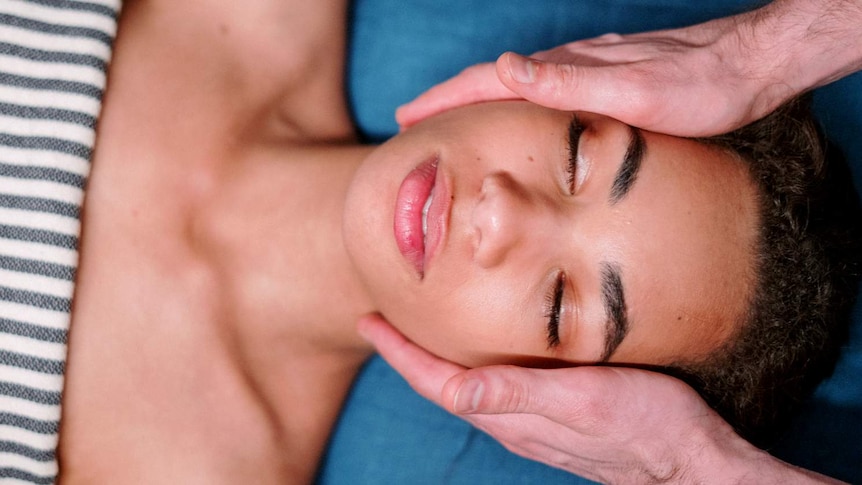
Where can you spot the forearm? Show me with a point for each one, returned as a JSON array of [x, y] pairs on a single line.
[[802, 44], [767, 469], [733, 460]]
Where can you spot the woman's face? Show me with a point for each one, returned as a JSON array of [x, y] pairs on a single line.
[[553, 238]]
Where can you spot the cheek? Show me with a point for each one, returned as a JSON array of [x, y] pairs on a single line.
[[440, 316], [437, 328], [472, 324]]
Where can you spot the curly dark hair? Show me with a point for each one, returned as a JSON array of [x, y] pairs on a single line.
[[807, 265]]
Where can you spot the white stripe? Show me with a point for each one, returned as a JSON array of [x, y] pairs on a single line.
[[44, 251], [30, 409], [38, 441], [45, 158], [91, 76], [36, 283], [29, 378], [34, 316], [53, 70], [113, 4], [52, 42], [41, 188], [39, 251], [40, 220], [49, 99], [61, 130], [57, 16], [40, 468]]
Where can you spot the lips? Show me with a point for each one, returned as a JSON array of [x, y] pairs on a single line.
[[420, 209]]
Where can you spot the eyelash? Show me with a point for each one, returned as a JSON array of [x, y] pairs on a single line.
[[576, 129], [554, 297], [553, 304]]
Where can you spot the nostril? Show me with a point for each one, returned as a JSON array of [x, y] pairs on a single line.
[[476, 240]]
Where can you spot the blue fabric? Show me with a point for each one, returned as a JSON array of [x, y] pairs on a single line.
[[387, 434], [401, 48], [826, 437]]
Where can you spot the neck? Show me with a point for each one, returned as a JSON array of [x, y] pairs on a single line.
[[214, 301], [290, 297], [272, 228]]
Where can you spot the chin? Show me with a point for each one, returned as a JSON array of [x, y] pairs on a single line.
[[375, 259], [364, 224]]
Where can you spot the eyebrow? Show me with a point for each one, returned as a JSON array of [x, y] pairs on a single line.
[[614, 300], [628, 170]]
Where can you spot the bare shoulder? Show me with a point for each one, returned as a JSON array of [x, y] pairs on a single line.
[[259, 68], [158, 382]]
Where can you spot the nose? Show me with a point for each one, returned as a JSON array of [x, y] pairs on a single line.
[[500, 218]]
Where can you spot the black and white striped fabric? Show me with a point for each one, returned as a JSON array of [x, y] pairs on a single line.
[[53, 61]]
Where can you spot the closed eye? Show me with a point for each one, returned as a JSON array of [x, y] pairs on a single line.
[[553, 305], [576, 128]]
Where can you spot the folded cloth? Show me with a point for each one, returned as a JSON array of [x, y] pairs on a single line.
[[53, 61]]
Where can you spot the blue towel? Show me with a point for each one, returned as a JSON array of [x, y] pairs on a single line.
[[388, 434]]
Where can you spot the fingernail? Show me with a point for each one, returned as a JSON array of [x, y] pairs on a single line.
[[468, 396], [523, 70]]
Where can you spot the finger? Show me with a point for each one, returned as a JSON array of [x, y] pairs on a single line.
[[565, 86], [528, 435], [474, 84], [501, 390], [425, 372], [575, 395], [538, 438]]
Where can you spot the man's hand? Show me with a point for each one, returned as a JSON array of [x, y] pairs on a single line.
[[701, 80], [608, 424], [682, 82]]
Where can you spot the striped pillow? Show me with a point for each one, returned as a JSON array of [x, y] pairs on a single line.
[[53, 60]]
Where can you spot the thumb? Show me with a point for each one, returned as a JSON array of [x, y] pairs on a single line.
[[475, 84], [561, 86], [507, 390], [424, 372]]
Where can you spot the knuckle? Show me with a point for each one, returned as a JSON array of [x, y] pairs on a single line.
[[611, 37], [561, 81], [509, 392], [591, 408], [514, 398]]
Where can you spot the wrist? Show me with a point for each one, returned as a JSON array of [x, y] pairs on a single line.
[[803, 44], [718, 455], [725, 457]]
